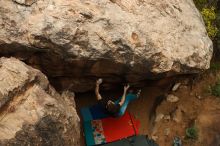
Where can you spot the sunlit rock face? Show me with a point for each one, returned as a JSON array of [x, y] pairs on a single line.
[[76, 41], [31, 111]]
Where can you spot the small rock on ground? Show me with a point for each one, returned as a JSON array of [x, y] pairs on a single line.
[[172, 98], [176, 87]]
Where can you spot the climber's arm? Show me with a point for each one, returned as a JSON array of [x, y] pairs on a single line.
[[124, 95], [98, 95]]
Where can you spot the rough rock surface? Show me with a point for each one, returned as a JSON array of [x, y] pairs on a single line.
[[76, 41], [31, 111]]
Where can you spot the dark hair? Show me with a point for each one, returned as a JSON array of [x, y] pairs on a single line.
[[112, 108]]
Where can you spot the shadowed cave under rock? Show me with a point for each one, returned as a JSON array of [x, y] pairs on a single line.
[[144, 108]]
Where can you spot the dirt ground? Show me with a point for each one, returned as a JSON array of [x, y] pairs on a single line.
[[188, 111], [196, 106]]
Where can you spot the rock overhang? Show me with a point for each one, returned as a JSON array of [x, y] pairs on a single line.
[[80, 41]]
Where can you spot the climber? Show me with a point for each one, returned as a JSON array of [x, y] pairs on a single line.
[[115, 108]]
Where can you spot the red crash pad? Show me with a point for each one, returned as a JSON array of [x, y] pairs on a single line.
[[119, 128]]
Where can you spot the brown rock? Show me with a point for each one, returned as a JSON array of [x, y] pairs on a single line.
[[31, 111], [172, 98], [159, 117], [176, 87], [75, 42], [167, 117], [167, 131]]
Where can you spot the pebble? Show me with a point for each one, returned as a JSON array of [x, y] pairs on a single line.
[[154, 137], [167, 117], [167, 131], [172, 98], [198, 96], [159, 117], [176, 87]]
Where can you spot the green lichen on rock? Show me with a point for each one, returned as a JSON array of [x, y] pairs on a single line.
[[209, 14]]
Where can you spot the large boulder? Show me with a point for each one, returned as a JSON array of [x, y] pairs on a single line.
[[73, 42], [31, 111]]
